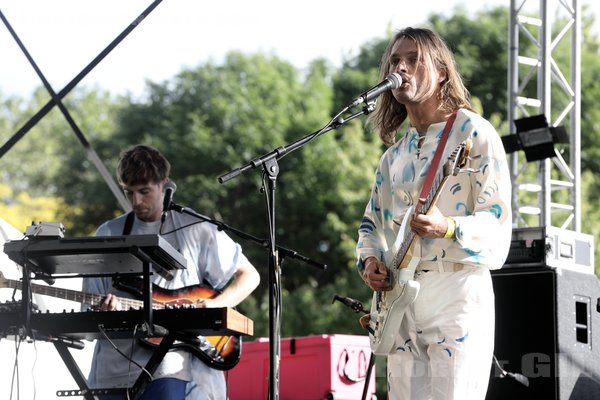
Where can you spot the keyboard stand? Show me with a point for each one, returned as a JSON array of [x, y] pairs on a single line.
[[134, 391]]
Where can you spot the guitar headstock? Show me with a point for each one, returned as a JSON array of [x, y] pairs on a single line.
[[458, 158]]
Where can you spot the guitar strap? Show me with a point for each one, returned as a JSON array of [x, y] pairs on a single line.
[[437, 157], [128, 223]]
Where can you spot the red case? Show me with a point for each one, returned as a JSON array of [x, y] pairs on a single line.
[[313, 367]]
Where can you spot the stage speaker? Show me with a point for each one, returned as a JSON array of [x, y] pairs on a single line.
[[547, 329]]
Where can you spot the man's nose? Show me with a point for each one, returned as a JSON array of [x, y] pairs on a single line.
[[402, 66], [136, 198]]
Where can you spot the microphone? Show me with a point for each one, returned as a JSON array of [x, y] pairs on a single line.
[[347, 301], [392, 81], [170, 188]]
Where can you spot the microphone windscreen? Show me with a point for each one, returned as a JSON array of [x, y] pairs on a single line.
[[396, 80], [170, 185]]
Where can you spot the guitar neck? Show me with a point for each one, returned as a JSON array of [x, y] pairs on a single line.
[[73, 295], [434, 193], [409, 235]]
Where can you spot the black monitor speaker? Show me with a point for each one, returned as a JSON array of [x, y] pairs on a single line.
[[547, 329]]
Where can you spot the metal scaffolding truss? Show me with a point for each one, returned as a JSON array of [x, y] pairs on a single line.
[[56, 100], [538, 83]]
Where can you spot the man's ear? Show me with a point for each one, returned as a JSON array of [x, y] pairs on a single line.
[[442, 75]]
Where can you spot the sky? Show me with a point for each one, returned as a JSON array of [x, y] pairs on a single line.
[[63, 36]]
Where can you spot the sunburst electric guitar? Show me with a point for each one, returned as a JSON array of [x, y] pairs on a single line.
[[388, 307], [219, 352]]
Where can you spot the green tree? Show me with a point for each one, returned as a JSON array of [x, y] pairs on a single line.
[[49, 159], [213, 118], [475, 41]]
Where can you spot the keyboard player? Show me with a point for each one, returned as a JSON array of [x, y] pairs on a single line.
[[212, 257]]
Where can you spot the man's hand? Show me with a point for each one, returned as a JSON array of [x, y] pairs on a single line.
[[433, 225], [209, 303], [110, 303], [376, 275]]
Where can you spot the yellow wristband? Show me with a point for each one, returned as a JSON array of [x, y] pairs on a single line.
[[451, 228]]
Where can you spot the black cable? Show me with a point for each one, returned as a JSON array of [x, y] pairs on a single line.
[[178, 229], [103, 332], [33, 368], [522, 379]]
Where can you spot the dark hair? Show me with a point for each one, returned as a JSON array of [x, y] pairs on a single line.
[[141, 164], [390, 114]]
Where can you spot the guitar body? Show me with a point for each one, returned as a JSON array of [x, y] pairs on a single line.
[[388, 308], [387, 313], [219, 352]]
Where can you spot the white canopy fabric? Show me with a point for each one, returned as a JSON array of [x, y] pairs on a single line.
[[9, 268], [41, 370], [8, 232]]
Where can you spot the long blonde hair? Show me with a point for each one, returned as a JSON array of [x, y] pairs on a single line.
[[389, 114]]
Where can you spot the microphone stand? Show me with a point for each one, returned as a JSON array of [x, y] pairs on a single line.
[[358, 307], [271, 171], [262, 242]]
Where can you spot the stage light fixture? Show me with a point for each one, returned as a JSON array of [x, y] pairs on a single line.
[[535, 138]]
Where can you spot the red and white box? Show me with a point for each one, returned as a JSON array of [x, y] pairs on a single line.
[[328, 367]]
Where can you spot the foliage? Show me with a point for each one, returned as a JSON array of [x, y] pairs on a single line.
[[214, 118], [475, 42], [590, 93], [21, 210], [51, 160], [591, 211]]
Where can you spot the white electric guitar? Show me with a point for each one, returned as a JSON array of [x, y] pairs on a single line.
[[388, 307]]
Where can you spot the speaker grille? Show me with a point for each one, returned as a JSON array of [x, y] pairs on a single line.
[[544, 330]]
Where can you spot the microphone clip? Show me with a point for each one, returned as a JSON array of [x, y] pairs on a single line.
[[392, 81], [351, 303]]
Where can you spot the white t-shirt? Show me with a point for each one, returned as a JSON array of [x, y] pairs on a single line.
[[212, 257]]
